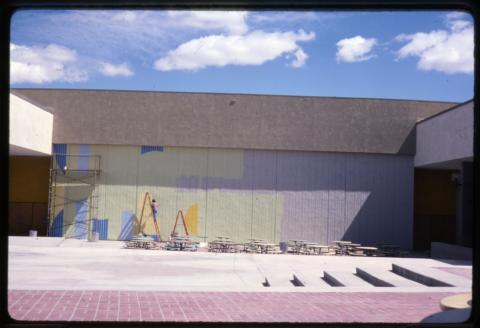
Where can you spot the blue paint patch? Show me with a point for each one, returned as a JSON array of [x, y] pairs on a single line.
[[83, 157], [56, 229], [60, 151], [81, 210], [101, 226], [127, 225], [147, 149]]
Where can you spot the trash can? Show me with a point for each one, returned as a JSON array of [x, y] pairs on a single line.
[[283, 247], [32, 233]]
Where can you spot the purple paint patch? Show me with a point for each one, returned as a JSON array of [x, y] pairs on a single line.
[[83, 157], [188, 182]]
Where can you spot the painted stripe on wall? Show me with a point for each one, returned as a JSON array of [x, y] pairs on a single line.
[[126, 225], [56, 229], [60, 151], [81, 210], [101, 226], [83, 159], [147, 149]]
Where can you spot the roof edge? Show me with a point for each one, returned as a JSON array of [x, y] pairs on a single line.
[[446, 110], [241, 94]]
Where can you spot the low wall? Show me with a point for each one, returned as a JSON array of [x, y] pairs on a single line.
[[451, 252]]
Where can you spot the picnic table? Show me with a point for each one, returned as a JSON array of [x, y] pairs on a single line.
[[297, 245], [390, 249], [369, 251], [266, 248], [259, 246], [223, 246], [142, 242], [342, 247], [316, 249], [181, 243]]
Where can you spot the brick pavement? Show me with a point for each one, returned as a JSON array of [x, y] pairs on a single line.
[[222, 306]]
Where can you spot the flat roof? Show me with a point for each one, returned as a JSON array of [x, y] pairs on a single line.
[[244, 121]]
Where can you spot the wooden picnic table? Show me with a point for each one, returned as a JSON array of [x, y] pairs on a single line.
[[297, 241], [181, 243], [142, 242], [368, 249], [342, 246], [316, 248], [222, 246], [342, 242], [296, 245]]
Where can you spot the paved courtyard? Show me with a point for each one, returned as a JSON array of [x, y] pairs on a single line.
[[65, 280]]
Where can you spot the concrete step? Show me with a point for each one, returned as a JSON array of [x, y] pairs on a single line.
[[309, 280], [385, 278], [344, 279], [278, 279], [429, 276]]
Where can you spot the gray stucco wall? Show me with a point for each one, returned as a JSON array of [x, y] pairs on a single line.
[[364, 198], [233, 120], [445, 137]]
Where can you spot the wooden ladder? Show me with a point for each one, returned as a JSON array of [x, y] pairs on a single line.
[[179, 214], [147, 197]]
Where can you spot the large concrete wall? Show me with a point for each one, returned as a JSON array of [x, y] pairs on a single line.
[[445, 137], [30, 128], [275, 195], [233, 121]]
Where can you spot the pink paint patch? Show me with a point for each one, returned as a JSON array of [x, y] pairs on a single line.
[[464, 272]]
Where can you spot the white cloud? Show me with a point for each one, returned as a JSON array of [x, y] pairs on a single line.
[[300, 58], [355, 49], [233, 22], [448, 51], [254, 48], [44, 64], [115, 70]]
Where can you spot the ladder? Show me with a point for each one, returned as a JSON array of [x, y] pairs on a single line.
[[179, 215], [157, 230]]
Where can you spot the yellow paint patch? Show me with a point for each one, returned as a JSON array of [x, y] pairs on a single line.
[[191, 219]]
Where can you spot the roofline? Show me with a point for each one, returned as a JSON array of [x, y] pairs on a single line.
[[241, 94], [446, 110]]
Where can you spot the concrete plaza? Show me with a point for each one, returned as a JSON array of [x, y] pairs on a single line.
[[62, 280]]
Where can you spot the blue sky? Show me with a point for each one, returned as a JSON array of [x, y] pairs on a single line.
[[400, 55]]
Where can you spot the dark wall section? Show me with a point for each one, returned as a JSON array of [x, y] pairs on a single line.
[[28, 194], [467, 205], [23, 217], [434, 208]]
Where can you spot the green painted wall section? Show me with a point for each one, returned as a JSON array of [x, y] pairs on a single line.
[[127, 175]]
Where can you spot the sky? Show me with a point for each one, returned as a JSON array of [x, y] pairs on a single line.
[[395, 55]]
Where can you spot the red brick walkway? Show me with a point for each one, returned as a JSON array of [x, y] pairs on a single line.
[[222, 306]]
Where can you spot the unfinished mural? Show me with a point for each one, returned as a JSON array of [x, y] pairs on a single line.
[[242, 194]]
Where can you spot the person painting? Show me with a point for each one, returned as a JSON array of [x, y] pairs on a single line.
[[154, 210]]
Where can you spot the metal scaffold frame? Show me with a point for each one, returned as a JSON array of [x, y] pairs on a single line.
[[73, 175]]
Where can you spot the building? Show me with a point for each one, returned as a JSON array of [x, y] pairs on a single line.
[[248, 166]]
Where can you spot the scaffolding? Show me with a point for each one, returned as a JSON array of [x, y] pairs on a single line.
[[73, 182]]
